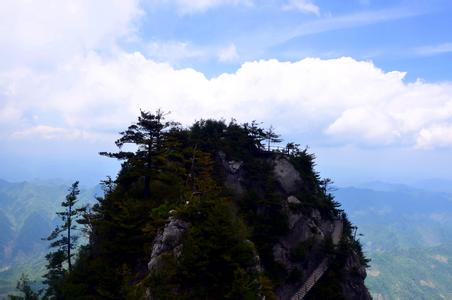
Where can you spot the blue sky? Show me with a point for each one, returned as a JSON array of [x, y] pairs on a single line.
[[366, 84], [412, 36]]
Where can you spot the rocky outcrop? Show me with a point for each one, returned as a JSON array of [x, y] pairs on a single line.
[[233, 174], [354, 274], [307, 231], [168, 240], [300, 251], [287, 175]]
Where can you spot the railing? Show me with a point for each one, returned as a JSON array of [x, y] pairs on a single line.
[[277, 149], [322, 267], [312, 280]]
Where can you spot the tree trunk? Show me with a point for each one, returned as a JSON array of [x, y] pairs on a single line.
[[69, 220], [148, 168]]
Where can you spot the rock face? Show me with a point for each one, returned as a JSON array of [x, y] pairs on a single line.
[[353, 284], [286, 174], [298, 252], [309, 230], [167, 240], [233, 174]]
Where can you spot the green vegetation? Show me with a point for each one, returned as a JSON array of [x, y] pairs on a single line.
[[180, 172], [64, 240], [25, 289], [417, 273], [406, 230], [217, 258], [27, 214]]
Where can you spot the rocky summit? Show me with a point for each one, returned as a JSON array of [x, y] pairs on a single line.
[[215, 211]]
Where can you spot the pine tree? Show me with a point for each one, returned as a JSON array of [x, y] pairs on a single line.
[[148, 134], [24, 286], [272, 137], [257, 134], [64, 241]]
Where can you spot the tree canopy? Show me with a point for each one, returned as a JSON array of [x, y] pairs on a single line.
[[148, 135]]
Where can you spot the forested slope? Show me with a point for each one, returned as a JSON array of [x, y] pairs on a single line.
[[210, 212]]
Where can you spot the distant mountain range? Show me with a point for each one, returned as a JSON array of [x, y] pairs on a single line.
[[407, 232], [27, 214]]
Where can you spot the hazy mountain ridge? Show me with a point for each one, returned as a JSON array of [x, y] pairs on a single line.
[[417, 273], [413, 217], [407, 234], [27, 214]]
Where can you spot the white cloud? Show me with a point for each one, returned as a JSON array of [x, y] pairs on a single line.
[[435, 136], [196, 6], [368, 123], [228, 54], [53, 133], [46, 31], [173, 51], [336, 22], [306, 6], [340, 101], [10, 117], [434, 50], [177, 52]]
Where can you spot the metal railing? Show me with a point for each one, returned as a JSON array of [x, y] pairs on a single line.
[[322, 267]]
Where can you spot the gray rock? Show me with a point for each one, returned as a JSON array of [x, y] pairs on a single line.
[[293, 219], [234, 166], [315, 215], [353, 279], [293, 200], [286, 174], [168, 239], [233, 172]]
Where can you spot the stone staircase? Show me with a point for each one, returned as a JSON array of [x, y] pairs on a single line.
[[322, 267]]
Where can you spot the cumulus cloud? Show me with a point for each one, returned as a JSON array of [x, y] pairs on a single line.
[[342, 101], [196, 6], [41, 32], [306, 6], [368, 123], [435, 136]]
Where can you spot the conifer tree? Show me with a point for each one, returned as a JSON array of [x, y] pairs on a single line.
[[64, 241], [24, 286], [256, 133], [272, 137], [148, 134]]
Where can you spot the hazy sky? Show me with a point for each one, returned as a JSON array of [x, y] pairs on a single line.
[[366, 84]]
